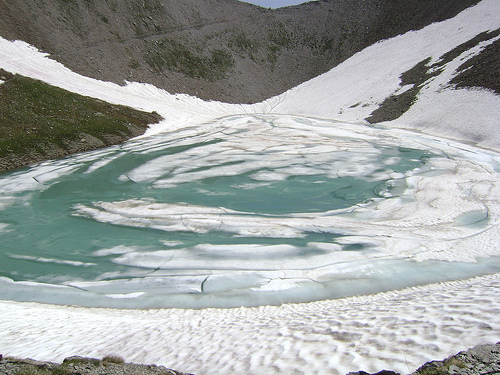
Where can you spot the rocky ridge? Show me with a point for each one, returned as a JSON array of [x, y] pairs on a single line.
[[215, 49], [111, 365], [479, 360]]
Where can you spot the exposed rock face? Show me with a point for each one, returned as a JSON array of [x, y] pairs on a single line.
[[215, 49], [480, 360], [82, 366]]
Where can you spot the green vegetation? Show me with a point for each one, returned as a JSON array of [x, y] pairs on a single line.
[[440, 368], [396, 105], [111, 358], [37, 118], [272, 54], [241, 44], [319, 46], [280, 35], [174, 56]]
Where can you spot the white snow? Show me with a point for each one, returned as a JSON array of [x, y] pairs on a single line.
[[398, 330], [458, 187], [353, 90]]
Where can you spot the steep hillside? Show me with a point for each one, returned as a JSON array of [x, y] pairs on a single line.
[[40, 122], [432, 80], [215, 49]]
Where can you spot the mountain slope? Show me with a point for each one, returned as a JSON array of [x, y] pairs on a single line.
[[41, 122], [215, 49], [431, 80]]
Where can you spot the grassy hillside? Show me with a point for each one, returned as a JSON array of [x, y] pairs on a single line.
[[39, 121]]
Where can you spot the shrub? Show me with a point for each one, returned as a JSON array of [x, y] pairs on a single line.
[[111, 358]]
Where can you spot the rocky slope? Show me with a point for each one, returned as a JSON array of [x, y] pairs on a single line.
[[480, 360], [111, 365], [215, 49]]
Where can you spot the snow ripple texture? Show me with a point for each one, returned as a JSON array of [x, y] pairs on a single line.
[[396, 330]]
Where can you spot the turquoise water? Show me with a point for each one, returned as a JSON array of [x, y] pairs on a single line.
[[222, 216]]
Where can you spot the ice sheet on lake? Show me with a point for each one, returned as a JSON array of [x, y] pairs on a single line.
[[257, 209], [450, 202]]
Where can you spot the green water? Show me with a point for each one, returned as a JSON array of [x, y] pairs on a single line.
[[41, 224], [45, 238]]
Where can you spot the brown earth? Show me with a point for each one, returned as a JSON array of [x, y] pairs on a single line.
[[215, 49]]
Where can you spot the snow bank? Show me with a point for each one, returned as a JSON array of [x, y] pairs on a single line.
[[354, 89], [398, 330]]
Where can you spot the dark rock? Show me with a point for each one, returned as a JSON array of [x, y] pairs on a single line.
[[383, 372], [77, 365], [480, 360]]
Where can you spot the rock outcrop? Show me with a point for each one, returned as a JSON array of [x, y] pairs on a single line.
[[224, 50], [480, 360], [111, 365]]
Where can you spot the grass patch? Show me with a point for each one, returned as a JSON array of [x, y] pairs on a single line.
[[280, 35], [241, 44], [395, 106], [172, 55], [37, 118], [111, 358]]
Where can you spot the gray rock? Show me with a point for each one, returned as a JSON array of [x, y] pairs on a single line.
[[82, 366], [383, 372], [480, 360]]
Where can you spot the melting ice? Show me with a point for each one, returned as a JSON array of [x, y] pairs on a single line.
[[248, 210]]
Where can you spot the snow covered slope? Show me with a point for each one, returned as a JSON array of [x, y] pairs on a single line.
[[350, 92], [356, 88]]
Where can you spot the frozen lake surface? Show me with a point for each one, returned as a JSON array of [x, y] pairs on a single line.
[[249, 210]]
